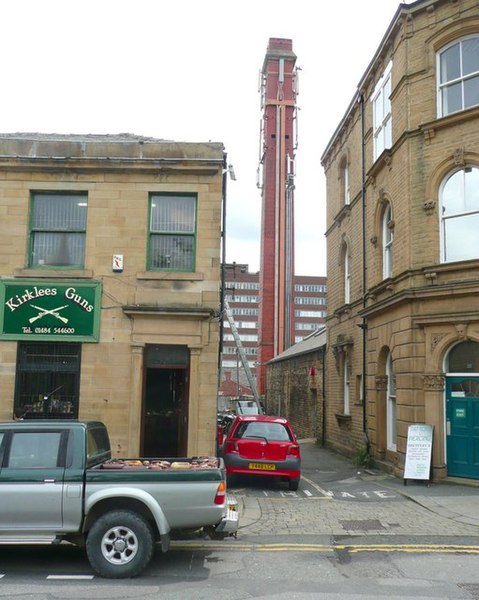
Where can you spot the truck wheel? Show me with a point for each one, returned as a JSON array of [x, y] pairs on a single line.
[[120, 544]]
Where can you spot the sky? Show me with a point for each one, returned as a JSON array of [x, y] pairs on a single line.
[[188, 70]]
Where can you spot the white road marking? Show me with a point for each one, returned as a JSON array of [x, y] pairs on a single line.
[[70, 576], [316, 486], [307, 492]]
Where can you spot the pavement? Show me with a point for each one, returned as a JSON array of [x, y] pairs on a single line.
[[350, 500]]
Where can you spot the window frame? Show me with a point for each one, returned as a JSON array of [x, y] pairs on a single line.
[[35, 230], [391, 406], [441, 86], [443, 219], [344, 182], [346, 385], [387, 241], [382, 131], [346, 274], [193, 235]]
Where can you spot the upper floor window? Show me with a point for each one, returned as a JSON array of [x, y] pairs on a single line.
[[309, 287], [460, 215], [309, 300], [346, 274], [172, 232], [458, 69], [57, 230], [245, 299], [344, 181], [242, 285], [382, 113], [387, 237], [315, 314]]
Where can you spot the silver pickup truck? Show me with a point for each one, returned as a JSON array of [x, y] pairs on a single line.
[[58, 482]]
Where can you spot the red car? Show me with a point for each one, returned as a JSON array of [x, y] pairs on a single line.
[[263, 445]]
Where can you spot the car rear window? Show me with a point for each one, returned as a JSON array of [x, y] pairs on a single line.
[[269, 431]]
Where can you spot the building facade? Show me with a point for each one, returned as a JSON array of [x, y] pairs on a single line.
[[402, 173], [110, 286], [242, 291]]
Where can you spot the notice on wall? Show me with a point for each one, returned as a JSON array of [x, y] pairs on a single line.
[[418, 452]]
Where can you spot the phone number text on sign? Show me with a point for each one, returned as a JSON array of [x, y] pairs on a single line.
[[47, 330]]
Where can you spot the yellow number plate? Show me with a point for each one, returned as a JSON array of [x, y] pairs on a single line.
[[262, 466]]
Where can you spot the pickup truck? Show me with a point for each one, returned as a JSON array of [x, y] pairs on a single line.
[[58, 482]]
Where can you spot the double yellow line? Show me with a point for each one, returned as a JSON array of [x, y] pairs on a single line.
[[353, 548]]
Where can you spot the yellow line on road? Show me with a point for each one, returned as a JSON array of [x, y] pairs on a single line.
[[354, 548]]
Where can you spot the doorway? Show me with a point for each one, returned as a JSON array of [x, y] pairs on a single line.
[[462, 426], [462, 410], [165, 402]]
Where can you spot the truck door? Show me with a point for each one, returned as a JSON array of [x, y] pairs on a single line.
[[31, 480]]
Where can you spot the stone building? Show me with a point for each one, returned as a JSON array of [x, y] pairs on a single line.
[[295, 386], [402, 171], [110, 286]]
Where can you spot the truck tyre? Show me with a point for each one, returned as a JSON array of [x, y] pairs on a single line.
[[120, 544]]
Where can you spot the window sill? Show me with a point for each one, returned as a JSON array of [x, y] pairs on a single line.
[[343, 420], [344, 212], [54, 273], [170, 276]]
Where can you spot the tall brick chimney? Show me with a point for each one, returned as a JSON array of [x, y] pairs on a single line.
[[278, 147]]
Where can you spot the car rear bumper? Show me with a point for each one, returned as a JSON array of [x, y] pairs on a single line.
[[235, 465]]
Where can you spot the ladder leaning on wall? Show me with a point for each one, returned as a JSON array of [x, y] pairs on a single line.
[[242, 354]]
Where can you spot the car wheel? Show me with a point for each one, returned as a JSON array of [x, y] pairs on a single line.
[[120, 544], [293, 484]]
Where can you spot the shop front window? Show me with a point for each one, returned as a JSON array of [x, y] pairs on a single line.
[[47, 381]]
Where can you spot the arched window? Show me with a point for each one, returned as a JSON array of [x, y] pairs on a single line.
[[391, 405], [347, 274], [458, 76], [460, 215], [345, 190], [387, 238], [463, 358], [346, 386]]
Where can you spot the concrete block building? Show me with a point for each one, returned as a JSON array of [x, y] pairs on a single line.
[[402, 171], [110, 286]]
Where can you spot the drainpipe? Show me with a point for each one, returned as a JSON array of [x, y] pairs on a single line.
[[223, 260], [364, 324], [323, 394]]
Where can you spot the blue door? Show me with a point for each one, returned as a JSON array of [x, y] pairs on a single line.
[[462, 426]]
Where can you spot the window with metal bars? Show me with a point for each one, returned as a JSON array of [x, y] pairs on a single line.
[[47, 381]]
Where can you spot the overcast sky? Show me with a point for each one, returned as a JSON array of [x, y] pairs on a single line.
[[187, 70]]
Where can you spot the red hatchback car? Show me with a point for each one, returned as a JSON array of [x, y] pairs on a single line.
[[263, 445]]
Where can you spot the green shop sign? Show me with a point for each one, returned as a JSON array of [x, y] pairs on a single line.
[[49, 310]]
